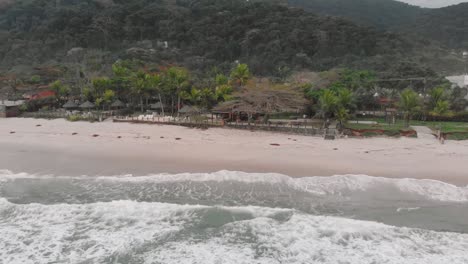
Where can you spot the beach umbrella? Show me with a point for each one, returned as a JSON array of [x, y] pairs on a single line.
[[87, 105], [117, 104], [70, 105]]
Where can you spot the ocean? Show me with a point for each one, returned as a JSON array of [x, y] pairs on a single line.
[[230, 217]]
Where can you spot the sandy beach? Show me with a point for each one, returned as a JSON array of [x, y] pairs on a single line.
[[59, 147]]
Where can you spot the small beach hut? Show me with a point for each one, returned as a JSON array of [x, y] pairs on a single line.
[[156, 106], [70, 105], [117, 104], [189, 110], [87, 105]]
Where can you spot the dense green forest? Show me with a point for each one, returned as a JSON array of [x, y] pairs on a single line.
[[273, 39], [446, 25], [383, 14]]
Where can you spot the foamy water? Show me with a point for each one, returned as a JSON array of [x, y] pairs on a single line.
[[230, 217]]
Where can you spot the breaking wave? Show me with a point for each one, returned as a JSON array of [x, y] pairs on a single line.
[[138, 232], [334, 185], [230, 217]]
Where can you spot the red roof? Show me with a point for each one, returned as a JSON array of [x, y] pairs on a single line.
[[43, 94], [385, 100]]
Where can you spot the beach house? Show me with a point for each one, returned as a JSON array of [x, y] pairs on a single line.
[[10, 108]]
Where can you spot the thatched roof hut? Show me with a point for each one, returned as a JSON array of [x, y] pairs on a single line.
[[187, 109], [70, 105], [234, 106], [117, 104], [263, 101], [156, 106], [87, 105]]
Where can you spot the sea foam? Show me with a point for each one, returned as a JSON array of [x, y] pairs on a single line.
[[138, 232], [328, 185]]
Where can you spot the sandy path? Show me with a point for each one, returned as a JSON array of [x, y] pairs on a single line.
[[51, 148]]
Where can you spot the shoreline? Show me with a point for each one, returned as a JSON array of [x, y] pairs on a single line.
[[140, 150]]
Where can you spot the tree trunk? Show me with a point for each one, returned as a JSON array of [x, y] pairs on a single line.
[[407, 119], [162, 105], [141, 103], [178, 104], [172, 105]]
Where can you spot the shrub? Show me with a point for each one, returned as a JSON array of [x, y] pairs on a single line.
[[370, 134], [454, 117], [457, 136], [35, 79], [75, 118], [392, 133], [23, 108]]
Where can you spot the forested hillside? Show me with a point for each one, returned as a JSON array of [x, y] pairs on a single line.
[[271, 38], [383, 14], [448, 26]]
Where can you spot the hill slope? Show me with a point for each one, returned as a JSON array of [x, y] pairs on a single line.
[[383, 14], [448, 25], [197, 34]]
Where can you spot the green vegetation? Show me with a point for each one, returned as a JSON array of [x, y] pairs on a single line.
[[458, 136], [453, 130], [374, 130], [445, 25], [79, 39], [409, 104], [236, 54], [76, 118], [384, 14]]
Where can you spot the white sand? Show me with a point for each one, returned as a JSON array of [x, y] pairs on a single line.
[[52, 149]]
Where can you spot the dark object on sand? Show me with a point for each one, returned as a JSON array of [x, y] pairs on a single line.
[[95, 135], [178, 139], [335, 149], [161, 137], [38, 125], [119, 137], [74, 134], [12, 132], [275, 144]]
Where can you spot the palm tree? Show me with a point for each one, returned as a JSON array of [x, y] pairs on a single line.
[[342, 115], [207, 98], [223, 93], [442, 107], [193, 96], [346, 99], [409, 104], [140, 86], [177, 80], [155, 82], [436, 95], [241, 74], [61, 90], [328, 103]]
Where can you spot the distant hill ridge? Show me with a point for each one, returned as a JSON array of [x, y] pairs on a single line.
[[447, 25]]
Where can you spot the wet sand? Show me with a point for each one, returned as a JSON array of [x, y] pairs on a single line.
[[60, 147]]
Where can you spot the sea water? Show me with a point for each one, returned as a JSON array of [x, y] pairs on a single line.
[[230, 217]]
